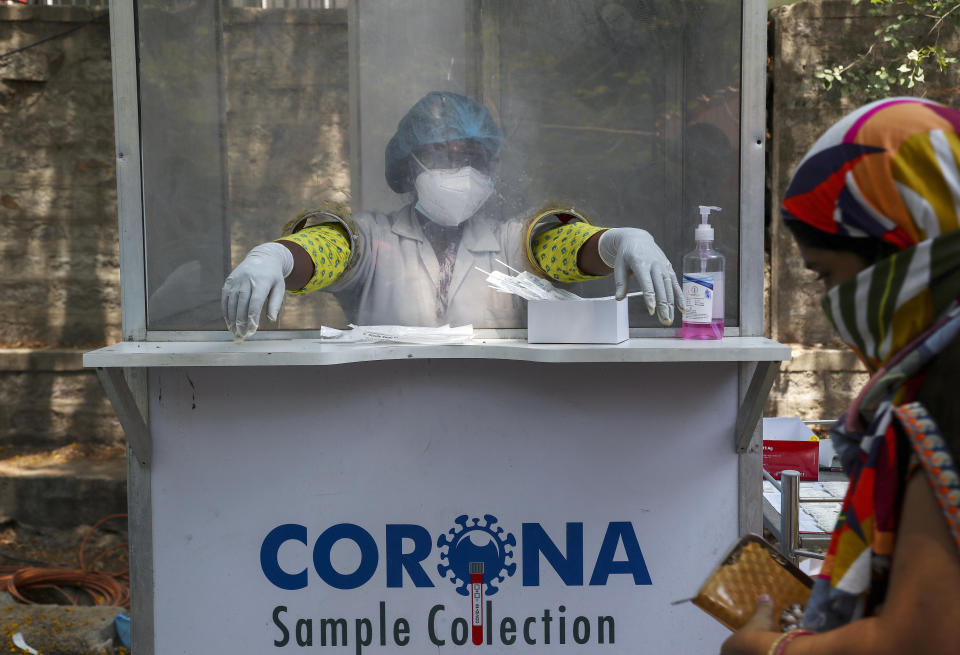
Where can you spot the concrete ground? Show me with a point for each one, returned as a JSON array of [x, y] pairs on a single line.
[[57, 629], [50, 503]]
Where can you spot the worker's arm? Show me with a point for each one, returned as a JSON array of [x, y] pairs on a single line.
[[921, 614], [588, 257], [578, 251], [320, 255], [305, 261], [303, 267], [568, 253]]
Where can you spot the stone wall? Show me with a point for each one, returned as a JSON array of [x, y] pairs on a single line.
[[58, 231], [804, 37], [59, 275]]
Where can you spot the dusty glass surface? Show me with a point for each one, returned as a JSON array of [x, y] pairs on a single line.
[[627, 111]]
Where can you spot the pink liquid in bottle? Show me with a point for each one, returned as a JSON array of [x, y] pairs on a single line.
[[711, 330]]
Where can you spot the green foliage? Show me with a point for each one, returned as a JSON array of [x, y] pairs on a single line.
[[906, 49]]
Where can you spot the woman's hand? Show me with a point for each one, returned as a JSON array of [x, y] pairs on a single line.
[[757, 634]]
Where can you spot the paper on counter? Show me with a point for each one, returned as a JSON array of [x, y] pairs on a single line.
[[444, 335]]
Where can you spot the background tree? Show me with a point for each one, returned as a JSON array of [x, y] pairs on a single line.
[[905, 50]]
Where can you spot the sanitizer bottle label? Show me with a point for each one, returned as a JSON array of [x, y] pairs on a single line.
[[698, 293]]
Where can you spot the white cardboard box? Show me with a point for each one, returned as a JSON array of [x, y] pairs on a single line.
[[590, 320], [828, 454]]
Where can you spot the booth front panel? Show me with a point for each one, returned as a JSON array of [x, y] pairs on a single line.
[[343, 505]]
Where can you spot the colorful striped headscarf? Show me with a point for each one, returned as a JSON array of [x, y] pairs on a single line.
[[889, 171]]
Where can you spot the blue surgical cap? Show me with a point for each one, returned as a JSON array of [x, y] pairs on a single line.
[[438, 117]]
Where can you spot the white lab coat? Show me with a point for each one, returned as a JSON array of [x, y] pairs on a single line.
[[394, 281]]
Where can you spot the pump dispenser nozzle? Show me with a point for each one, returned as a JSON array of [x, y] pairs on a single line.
[[704, 231]]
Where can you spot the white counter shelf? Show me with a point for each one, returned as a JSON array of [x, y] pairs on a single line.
[[313, 352]]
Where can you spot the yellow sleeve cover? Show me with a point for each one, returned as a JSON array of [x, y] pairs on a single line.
[[329, 247], [556, 251]]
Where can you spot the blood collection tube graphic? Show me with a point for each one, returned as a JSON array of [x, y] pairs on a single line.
[[476, 601]]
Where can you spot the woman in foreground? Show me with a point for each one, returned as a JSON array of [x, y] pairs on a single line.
[[875, 210]]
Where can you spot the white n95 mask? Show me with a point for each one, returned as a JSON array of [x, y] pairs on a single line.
[[449, 197]]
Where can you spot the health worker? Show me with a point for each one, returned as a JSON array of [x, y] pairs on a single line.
[[416, 266]]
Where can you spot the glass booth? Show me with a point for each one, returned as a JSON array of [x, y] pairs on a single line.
[[234, 121], [630, 112]]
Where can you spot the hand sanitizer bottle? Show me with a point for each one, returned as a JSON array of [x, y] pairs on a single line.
[[703, 285]]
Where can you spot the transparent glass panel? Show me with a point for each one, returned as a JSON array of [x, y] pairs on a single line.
[[626, 111]]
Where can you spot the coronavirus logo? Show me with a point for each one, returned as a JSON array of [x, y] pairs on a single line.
[[476, 543]]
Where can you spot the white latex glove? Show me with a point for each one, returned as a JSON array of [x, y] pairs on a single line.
[[259, 278], [631, 250]]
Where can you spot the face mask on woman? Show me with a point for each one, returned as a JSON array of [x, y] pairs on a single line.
[[451, 196]]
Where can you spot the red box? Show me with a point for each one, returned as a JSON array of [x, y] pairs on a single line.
[[801, 456]]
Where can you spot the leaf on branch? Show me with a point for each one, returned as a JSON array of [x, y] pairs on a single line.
[[903, 49]]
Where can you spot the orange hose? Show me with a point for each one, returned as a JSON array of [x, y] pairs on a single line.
[[103, 588], [93, 527]]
